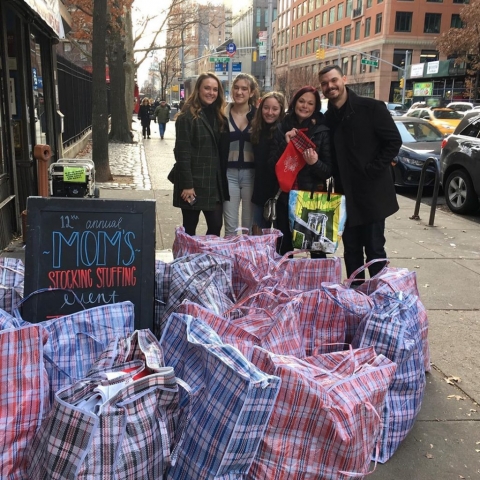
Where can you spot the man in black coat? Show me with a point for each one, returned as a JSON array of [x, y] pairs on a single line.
[[365, 142]]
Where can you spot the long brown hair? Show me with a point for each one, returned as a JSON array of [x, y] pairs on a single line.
[[258, 122], [195, 106]]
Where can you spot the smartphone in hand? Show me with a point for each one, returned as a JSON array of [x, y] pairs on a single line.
[[192, 199]]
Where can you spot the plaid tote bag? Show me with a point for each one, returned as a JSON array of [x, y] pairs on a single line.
[[23, 396], [109, 426], [75, 341], [392, 279], [326, 419], [392, 329], [12, 272], [231, 403]]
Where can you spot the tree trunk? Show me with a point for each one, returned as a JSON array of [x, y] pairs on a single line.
[[119, 127], [99, 97]]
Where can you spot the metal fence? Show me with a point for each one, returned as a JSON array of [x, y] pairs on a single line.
[[75, 89]]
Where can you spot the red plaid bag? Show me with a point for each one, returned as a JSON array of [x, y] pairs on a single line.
[[391, 279], [23, 396], [326, 420], [292, 161]]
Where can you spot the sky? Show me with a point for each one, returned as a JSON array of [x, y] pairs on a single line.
[[140, 10]]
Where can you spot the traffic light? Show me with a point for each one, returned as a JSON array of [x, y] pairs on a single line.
[[402, 82], [320, 53]]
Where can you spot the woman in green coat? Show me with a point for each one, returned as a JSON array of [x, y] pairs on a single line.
[[201, 151]]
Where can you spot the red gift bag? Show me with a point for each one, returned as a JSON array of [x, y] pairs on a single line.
[[292, 161]]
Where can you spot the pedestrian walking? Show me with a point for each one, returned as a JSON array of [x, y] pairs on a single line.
[[365, 141], [303, 114], [162, 116], [241, 166], [201, 150], [271, 110], [144, 115]]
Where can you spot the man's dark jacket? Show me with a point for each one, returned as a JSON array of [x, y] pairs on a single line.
[[365, 142]]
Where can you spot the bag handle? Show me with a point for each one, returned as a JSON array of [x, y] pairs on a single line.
[[353, 276], [16, 310], [338, 302]]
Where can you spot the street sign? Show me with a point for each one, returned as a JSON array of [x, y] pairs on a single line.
[[237, 67], [231, 49], [219, 59], [366, 61]]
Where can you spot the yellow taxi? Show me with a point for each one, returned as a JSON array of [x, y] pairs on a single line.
[[445, 119]]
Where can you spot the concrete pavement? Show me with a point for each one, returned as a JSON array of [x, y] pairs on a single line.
[[445, 441]]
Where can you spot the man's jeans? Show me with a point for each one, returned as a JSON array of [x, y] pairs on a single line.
[[162, 127], [240, 187]]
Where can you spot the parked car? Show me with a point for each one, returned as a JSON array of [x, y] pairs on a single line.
[[420, 140], [395, 109], [415, 106], [445, 119], [460, 165], [462, 106]]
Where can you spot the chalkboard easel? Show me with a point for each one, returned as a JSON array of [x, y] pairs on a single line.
[[103, 250]]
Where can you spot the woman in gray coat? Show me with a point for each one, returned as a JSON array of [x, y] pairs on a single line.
[[201, 150]]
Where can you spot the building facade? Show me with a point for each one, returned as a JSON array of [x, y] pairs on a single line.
[[313, 33], [29, 30]]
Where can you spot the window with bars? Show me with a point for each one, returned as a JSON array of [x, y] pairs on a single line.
[[403, 22], [432, 23]]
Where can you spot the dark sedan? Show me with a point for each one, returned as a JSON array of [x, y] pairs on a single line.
[[420, 140]]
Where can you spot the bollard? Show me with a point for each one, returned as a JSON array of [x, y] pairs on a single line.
[[43, 154]]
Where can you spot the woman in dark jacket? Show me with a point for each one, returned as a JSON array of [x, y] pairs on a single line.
[[201, 150], [303, 114], [144, 113], [270, 112]]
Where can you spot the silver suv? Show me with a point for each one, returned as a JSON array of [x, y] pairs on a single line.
[[460, 165]]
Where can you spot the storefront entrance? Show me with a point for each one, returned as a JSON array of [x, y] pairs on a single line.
[[26, 110]]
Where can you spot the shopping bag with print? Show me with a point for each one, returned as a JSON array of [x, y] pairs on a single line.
[[317, 220], [292, 161], [23, 396], [231, 408]]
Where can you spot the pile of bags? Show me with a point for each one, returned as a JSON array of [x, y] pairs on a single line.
[[259, 367]]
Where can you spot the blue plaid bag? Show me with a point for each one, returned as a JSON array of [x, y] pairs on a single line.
[[232, 401], [393, 330], [12, 272], [77, 340], [202, 278]]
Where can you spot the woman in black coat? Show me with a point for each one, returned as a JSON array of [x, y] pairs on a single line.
[[303, 114], [270, 112], [144, 113]]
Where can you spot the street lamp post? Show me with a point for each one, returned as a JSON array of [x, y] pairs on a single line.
[[407, 63]]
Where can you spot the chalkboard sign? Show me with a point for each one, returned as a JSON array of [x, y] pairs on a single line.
[[103, 250]]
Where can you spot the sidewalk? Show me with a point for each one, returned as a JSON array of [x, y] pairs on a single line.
[[445, 441]]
